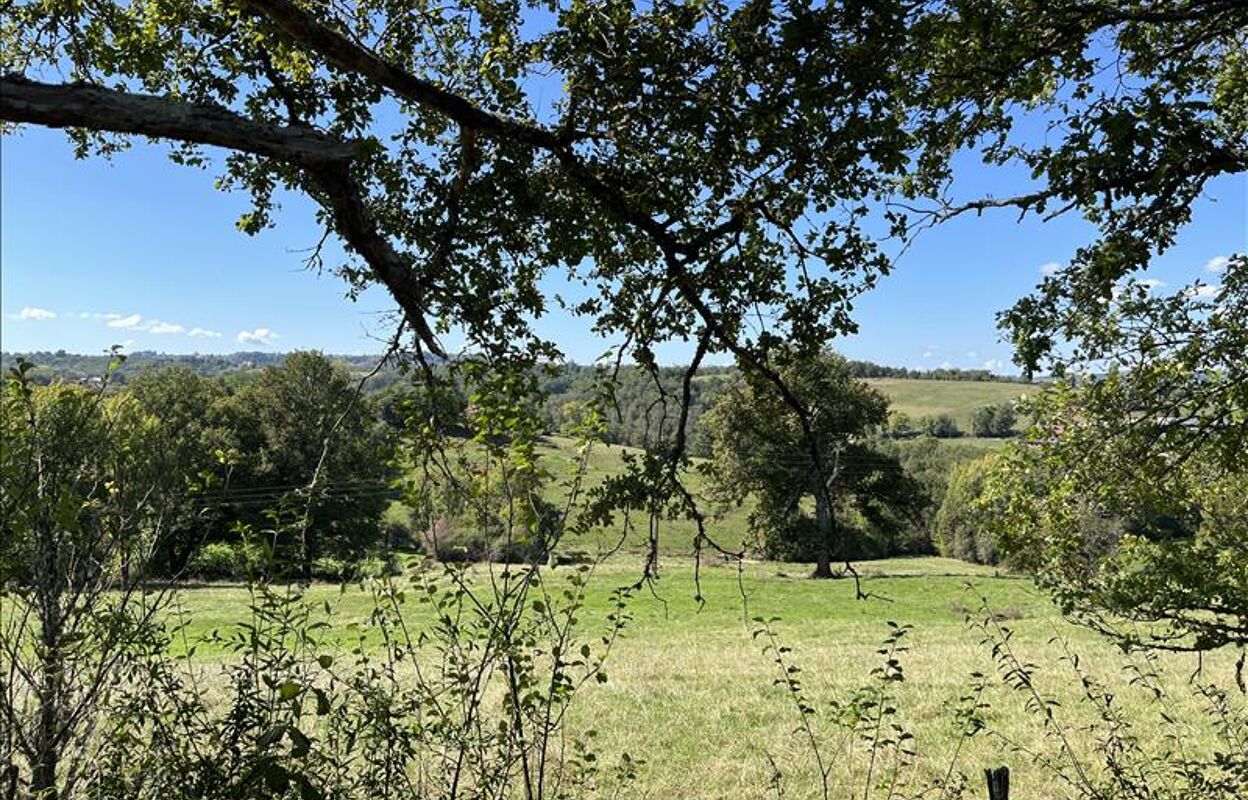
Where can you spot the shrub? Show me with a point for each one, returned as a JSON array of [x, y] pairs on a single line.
[[379, 565], [217, 561], [328, 568], [400, 530], [900, 426], [470, 537], [962, 525], [942, 426], [994, 421], [452, 544]]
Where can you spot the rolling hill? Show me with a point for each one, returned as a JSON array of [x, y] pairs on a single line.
[[921, 397]]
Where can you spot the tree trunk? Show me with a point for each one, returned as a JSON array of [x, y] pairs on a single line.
[[825, 530], [47, 751], [46, 746]]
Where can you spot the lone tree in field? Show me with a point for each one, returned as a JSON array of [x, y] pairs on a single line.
[[761, 448]]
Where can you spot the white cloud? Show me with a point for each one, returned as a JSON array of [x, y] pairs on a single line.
[[136, 322], [1205, 291], [1125, 286], [930, 351], [1217, 264], [117, 321], [946, 365], [994, 365], [1050, 268], [972, 354], [261, 336], [30, 312]]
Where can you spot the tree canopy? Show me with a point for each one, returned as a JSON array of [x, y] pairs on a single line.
[[761, 447], [83, 502], [1137, 524]]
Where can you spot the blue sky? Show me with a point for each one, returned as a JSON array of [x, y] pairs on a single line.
[[143, 252]]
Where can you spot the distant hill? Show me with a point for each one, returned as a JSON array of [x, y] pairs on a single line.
[[233, 367], [917, 393]]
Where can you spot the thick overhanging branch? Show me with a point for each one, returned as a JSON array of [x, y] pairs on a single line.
[[307, 31], [340, 194], [80, 105], [325, 160]]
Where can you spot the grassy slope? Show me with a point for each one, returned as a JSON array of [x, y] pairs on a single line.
[[691, 693], [728, 526], [959, 399]]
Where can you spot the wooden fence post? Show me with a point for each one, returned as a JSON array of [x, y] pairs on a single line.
[[998, 783]]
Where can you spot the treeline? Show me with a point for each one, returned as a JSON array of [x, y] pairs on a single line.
[[867, 369], [644, 408], [640, 409], [52, 364], [997, 421], [232, 464], [249, 448], [235, 368]]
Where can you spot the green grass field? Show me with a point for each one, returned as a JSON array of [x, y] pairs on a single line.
[[691, 693], [958, 399]]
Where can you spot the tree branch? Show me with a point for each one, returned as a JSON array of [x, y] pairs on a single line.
[[307, 30], [78, 105], [341, 195], [304, 29], [325, 160]]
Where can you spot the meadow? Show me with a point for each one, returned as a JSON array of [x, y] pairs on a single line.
[[692, 696], [727, 524], [921, 397]]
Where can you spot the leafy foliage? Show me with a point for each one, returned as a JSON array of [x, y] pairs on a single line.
[[1148, 758], [941, 426], [82, 509], [298, 430], [994, 421], [964, 526], [760, 447], [315, 435], [1126, 516]]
